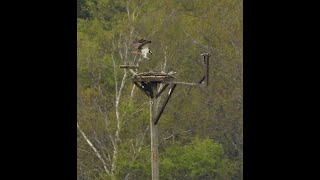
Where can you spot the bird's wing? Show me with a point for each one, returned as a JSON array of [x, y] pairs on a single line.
[[141, 40], [136, 45], [143, 44]]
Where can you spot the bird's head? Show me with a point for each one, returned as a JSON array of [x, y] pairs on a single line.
[[150, 52]]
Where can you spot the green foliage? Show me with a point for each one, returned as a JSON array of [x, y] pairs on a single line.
[[180, 31], [201, 158], [138, 166]]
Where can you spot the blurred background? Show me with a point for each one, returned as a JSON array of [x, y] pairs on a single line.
[[201, 129]]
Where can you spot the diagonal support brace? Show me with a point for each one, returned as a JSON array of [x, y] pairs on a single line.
[[204, 77], [162, 89], [165, 103]]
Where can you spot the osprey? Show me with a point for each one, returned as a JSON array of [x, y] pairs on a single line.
[[141, 47]]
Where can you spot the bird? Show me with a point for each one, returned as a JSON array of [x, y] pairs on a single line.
[[141, 47]]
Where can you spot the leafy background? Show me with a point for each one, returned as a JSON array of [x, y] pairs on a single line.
[[201, 130]]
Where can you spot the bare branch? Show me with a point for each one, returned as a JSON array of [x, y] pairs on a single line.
[[131, 94], [115, 73], [94, 149], [138, 110], [168, 137], [134, 150], [158, 27], [128, 9], [115, 152], [119, 94], [196, 42], [135, 155]]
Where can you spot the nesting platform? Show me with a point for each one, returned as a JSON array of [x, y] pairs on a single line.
[[153, 77]]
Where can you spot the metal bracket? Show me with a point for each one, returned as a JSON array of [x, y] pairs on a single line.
[[144, 88], [204, 80], [204, 77], [148, 88], [206, 62]]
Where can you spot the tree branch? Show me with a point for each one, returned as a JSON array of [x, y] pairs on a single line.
[[94, 149]]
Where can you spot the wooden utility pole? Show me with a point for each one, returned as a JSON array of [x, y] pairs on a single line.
[[148, 83], [154, 133]]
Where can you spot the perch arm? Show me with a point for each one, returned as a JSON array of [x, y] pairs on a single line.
[[130, 67]]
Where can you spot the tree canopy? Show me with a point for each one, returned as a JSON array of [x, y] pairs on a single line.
[[201, 129]]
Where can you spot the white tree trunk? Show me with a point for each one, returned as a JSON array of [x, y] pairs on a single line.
[[94, 149]]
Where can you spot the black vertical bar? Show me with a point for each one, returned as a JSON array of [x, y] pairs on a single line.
[[207, 74], [165, 103]]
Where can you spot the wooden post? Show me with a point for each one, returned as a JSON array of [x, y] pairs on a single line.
[[154, 133], [149, 81]]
